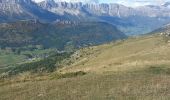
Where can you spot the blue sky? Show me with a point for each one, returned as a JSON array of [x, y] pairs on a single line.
[[124, 2]]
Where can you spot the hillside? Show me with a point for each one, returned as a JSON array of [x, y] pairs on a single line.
[[24, 41], [134, 52], [59, 35], [132, 69], [164, 30]]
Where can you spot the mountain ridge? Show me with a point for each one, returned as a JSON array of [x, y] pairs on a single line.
[[14, 10], [127, 19]]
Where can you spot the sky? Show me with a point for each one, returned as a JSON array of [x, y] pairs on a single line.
[[132, 3]]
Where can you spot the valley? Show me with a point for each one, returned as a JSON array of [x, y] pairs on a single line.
[[27, 41], [86, 50]]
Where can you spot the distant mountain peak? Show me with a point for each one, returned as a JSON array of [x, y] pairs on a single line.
[[15, 1], [13, 10]]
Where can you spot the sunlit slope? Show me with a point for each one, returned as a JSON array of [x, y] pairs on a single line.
[[133, 53]]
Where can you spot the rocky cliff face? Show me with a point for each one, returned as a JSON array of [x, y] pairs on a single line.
[[80, 9], [114, 10], [130, 20], [51, 10], [13, 6], [12, 10]]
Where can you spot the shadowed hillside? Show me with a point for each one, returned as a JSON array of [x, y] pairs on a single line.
[[25, 33]]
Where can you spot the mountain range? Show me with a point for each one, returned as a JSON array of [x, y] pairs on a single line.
[[129, 20], [13, 10]]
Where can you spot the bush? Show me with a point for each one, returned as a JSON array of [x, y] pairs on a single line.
[[159, 70], [68, 75]]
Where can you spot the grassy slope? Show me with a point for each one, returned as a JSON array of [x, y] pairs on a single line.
[[133, 52], [134, 69]]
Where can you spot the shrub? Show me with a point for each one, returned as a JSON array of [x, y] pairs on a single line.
[[68, 75]]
